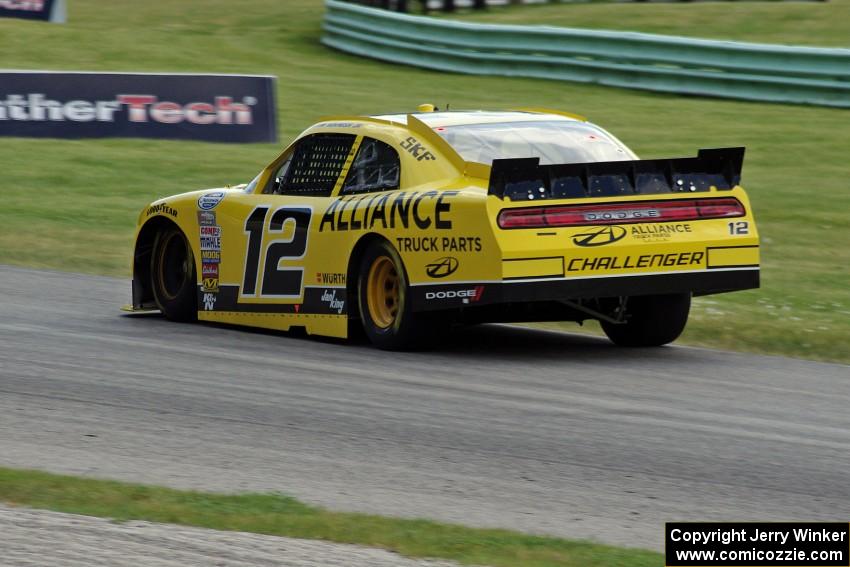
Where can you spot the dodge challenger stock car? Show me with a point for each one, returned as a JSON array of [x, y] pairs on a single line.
[[405, 224]]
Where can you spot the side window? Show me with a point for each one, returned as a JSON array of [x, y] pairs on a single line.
[[376, 167], [314, 165]]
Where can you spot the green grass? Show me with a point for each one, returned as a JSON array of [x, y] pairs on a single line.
[[72, 205], [793, 23], [283, 516]]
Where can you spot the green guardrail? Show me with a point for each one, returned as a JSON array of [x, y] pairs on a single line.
[[752, 71]]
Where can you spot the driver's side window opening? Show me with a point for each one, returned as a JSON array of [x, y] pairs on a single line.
[[313, 167], [376, 167]]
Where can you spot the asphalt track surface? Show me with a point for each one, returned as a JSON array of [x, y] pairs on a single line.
[[39, 538], [538, 431]]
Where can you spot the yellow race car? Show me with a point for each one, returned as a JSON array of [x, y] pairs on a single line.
[[406, 224]]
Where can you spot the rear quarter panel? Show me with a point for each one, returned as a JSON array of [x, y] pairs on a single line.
[[627, 249]]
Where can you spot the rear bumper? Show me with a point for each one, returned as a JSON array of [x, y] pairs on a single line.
[[432, 297]]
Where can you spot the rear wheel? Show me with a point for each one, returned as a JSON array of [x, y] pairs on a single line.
[[383, 296], [651, 320], [173, 276]]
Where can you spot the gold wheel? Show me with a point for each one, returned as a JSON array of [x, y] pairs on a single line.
[[382, 292]]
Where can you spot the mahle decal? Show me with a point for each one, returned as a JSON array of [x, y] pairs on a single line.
[[442, 267], [599, 236]]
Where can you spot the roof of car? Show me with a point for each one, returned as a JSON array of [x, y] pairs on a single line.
[[439, 119]]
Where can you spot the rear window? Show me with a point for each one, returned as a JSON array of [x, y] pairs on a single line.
[[553, 142]]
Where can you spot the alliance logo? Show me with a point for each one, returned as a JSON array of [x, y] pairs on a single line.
[[599, 236], [442, 267]]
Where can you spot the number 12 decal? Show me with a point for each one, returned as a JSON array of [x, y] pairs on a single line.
[[739, 227], [277, 281]]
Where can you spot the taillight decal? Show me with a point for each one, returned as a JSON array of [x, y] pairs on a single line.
[[621, 213]]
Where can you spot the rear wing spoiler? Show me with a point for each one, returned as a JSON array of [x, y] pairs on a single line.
[[524, 179]]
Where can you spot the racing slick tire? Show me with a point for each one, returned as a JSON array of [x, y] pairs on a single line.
[[651, 320], [383, 296], [173, 276]]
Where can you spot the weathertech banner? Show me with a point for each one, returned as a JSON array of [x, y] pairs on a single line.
[[219, 108], [48, 10]]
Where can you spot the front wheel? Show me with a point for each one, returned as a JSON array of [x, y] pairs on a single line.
[[173, 276], [383, 296], [650, 320]]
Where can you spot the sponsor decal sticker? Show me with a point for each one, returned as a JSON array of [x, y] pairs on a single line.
[[470, 295], [599, 236], [328, 278], [442, 267], [329, 297], [415, 148], [210, 200], [162, 208], [211, 231], [439, 244], [210, 237], [659, 232], [206, 218], [674, 259], [409, 210], [211, 243], [209, 270], [212, 256], [660, 228]]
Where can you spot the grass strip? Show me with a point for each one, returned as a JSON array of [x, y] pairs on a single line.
[[278, 515]]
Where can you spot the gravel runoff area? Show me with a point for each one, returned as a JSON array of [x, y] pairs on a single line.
[[43, 538]]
